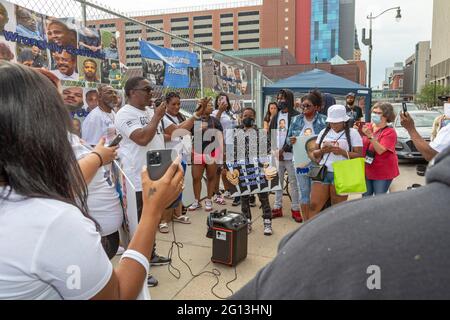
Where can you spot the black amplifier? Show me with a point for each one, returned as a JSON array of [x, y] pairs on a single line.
[[230, 237]]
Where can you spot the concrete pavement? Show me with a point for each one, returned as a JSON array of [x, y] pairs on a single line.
[[196, 250]]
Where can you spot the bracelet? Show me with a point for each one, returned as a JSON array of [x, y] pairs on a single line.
[[138, 257], [197, 117], [99, 156]]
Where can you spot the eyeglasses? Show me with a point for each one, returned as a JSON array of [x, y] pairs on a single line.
[[147, 89]]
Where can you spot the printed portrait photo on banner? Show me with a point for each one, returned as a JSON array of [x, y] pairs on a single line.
[[64, 66], [90, 99], [89, 69], [111, 73], [7, 17], [32, 56], [61, 32], [29, 23], [109, 45], [89, 39], [154, 71]]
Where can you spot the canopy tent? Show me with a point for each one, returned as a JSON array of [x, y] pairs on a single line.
[[324, 82]]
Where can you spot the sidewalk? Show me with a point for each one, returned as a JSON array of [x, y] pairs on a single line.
[[197, 250]]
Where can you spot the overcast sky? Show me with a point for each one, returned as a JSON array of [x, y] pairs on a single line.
[[393, 41]]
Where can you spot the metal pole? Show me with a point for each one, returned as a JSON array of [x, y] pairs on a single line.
[[202, 90], [253, 86], [83, 12], [370, 52], [435, 82]]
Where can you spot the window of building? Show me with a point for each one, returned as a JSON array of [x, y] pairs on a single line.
[[133, 31], [248, 13], [316, 30], [203, 26], [246, 23], [132, 40], [202, 35], [154, 21], [226, 42], [325, 11], [249, 31], [333, 41], [226, 24], [155, 38], [227, 33], [226, 15], [248, 40], [180, 28], [207, 43], [202, 18], [108, 25], [179, 19]]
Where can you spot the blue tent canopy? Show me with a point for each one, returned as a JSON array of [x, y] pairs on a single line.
[[322, 81]]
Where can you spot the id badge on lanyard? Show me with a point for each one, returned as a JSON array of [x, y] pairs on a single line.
[[370, 157]]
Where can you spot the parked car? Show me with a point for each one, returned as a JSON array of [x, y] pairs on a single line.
[[438, 109], [398, 107], [424, 124]]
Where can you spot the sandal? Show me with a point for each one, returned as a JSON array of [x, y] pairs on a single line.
[[182, 219], [163, 228]]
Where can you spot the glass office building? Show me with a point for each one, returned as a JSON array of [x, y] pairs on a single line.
[[324, 30]]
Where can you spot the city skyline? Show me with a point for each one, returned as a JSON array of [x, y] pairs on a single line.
[[399, 43]]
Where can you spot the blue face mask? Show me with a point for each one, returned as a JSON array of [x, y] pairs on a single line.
[[376, 118]]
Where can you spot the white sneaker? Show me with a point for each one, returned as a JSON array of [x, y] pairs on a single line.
[[120, 251], [268, 227], [227, 195], [208, 205], [196, 205], [249, 226]]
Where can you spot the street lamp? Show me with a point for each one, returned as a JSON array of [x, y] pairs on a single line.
[[369, 42]]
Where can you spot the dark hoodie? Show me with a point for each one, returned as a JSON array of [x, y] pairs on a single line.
[[401, 237], [274, 123]]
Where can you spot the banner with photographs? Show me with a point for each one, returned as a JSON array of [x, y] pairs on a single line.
[[230, 79], [170, 68], [81, 58]]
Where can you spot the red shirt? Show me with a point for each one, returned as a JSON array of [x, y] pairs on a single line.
[[385, 166]]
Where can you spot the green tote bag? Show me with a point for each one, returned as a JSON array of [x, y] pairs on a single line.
[[349, 176]]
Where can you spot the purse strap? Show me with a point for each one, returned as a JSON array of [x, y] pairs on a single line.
[[330, 152]]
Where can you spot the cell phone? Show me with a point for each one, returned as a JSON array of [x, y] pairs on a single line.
[[116, 141], [158, 161], [360, 125], [405, 107]]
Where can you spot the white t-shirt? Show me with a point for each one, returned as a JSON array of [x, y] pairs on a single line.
[[182, 145], [308, 128], [61, 76], [134, 157], [98, 124], [442, 140], [339, 140], [283, 126], [228, 122], [103, 200], [46, 244]]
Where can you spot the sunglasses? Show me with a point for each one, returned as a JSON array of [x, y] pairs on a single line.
[[305, 106], [147, 89]]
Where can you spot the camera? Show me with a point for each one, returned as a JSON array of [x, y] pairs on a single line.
[[154, 158]]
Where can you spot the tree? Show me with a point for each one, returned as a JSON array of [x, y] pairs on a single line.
[[429, 94]]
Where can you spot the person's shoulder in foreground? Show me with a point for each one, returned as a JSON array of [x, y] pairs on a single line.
[[387, 247]]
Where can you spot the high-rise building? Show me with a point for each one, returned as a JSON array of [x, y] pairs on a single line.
[[306, 28], [440, 57]]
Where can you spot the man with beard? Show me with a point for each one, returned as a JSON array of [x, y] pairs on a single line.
[[100, 121], [111, 52], [90, 71], [353, 111], [66, 65], [27, 24]]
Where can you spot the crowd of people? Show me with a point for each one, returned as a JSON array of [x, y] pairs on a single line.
[[56, 188]]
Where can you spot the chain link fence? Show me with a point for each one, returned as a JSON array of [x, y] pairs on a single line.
[[217, 72]]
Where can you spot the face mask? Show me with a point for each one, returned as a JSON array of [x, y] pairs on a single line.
[[248, 122], [282, 105], [376, 118]]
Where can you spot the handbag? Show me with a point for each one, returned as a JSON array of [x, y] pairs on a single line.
[[349, 176]]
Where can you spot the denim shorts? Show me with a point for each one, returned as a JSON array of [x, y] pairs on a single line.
[[329, 179]]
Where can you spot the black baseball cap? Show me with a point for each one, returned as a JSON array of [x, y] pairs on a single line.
[[351, 94]]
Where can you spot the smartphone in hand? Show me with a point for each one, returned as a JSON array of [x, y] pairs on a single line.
[[116, 141], [405, 107]]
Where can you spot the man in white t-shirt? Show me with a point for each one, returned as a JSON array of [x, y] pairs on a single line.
[[429, 150], [142, 131], [100, 121]]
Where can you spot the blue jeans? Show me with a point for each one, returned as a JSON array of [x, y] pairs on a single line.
[[375, 187], [304, 185]]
